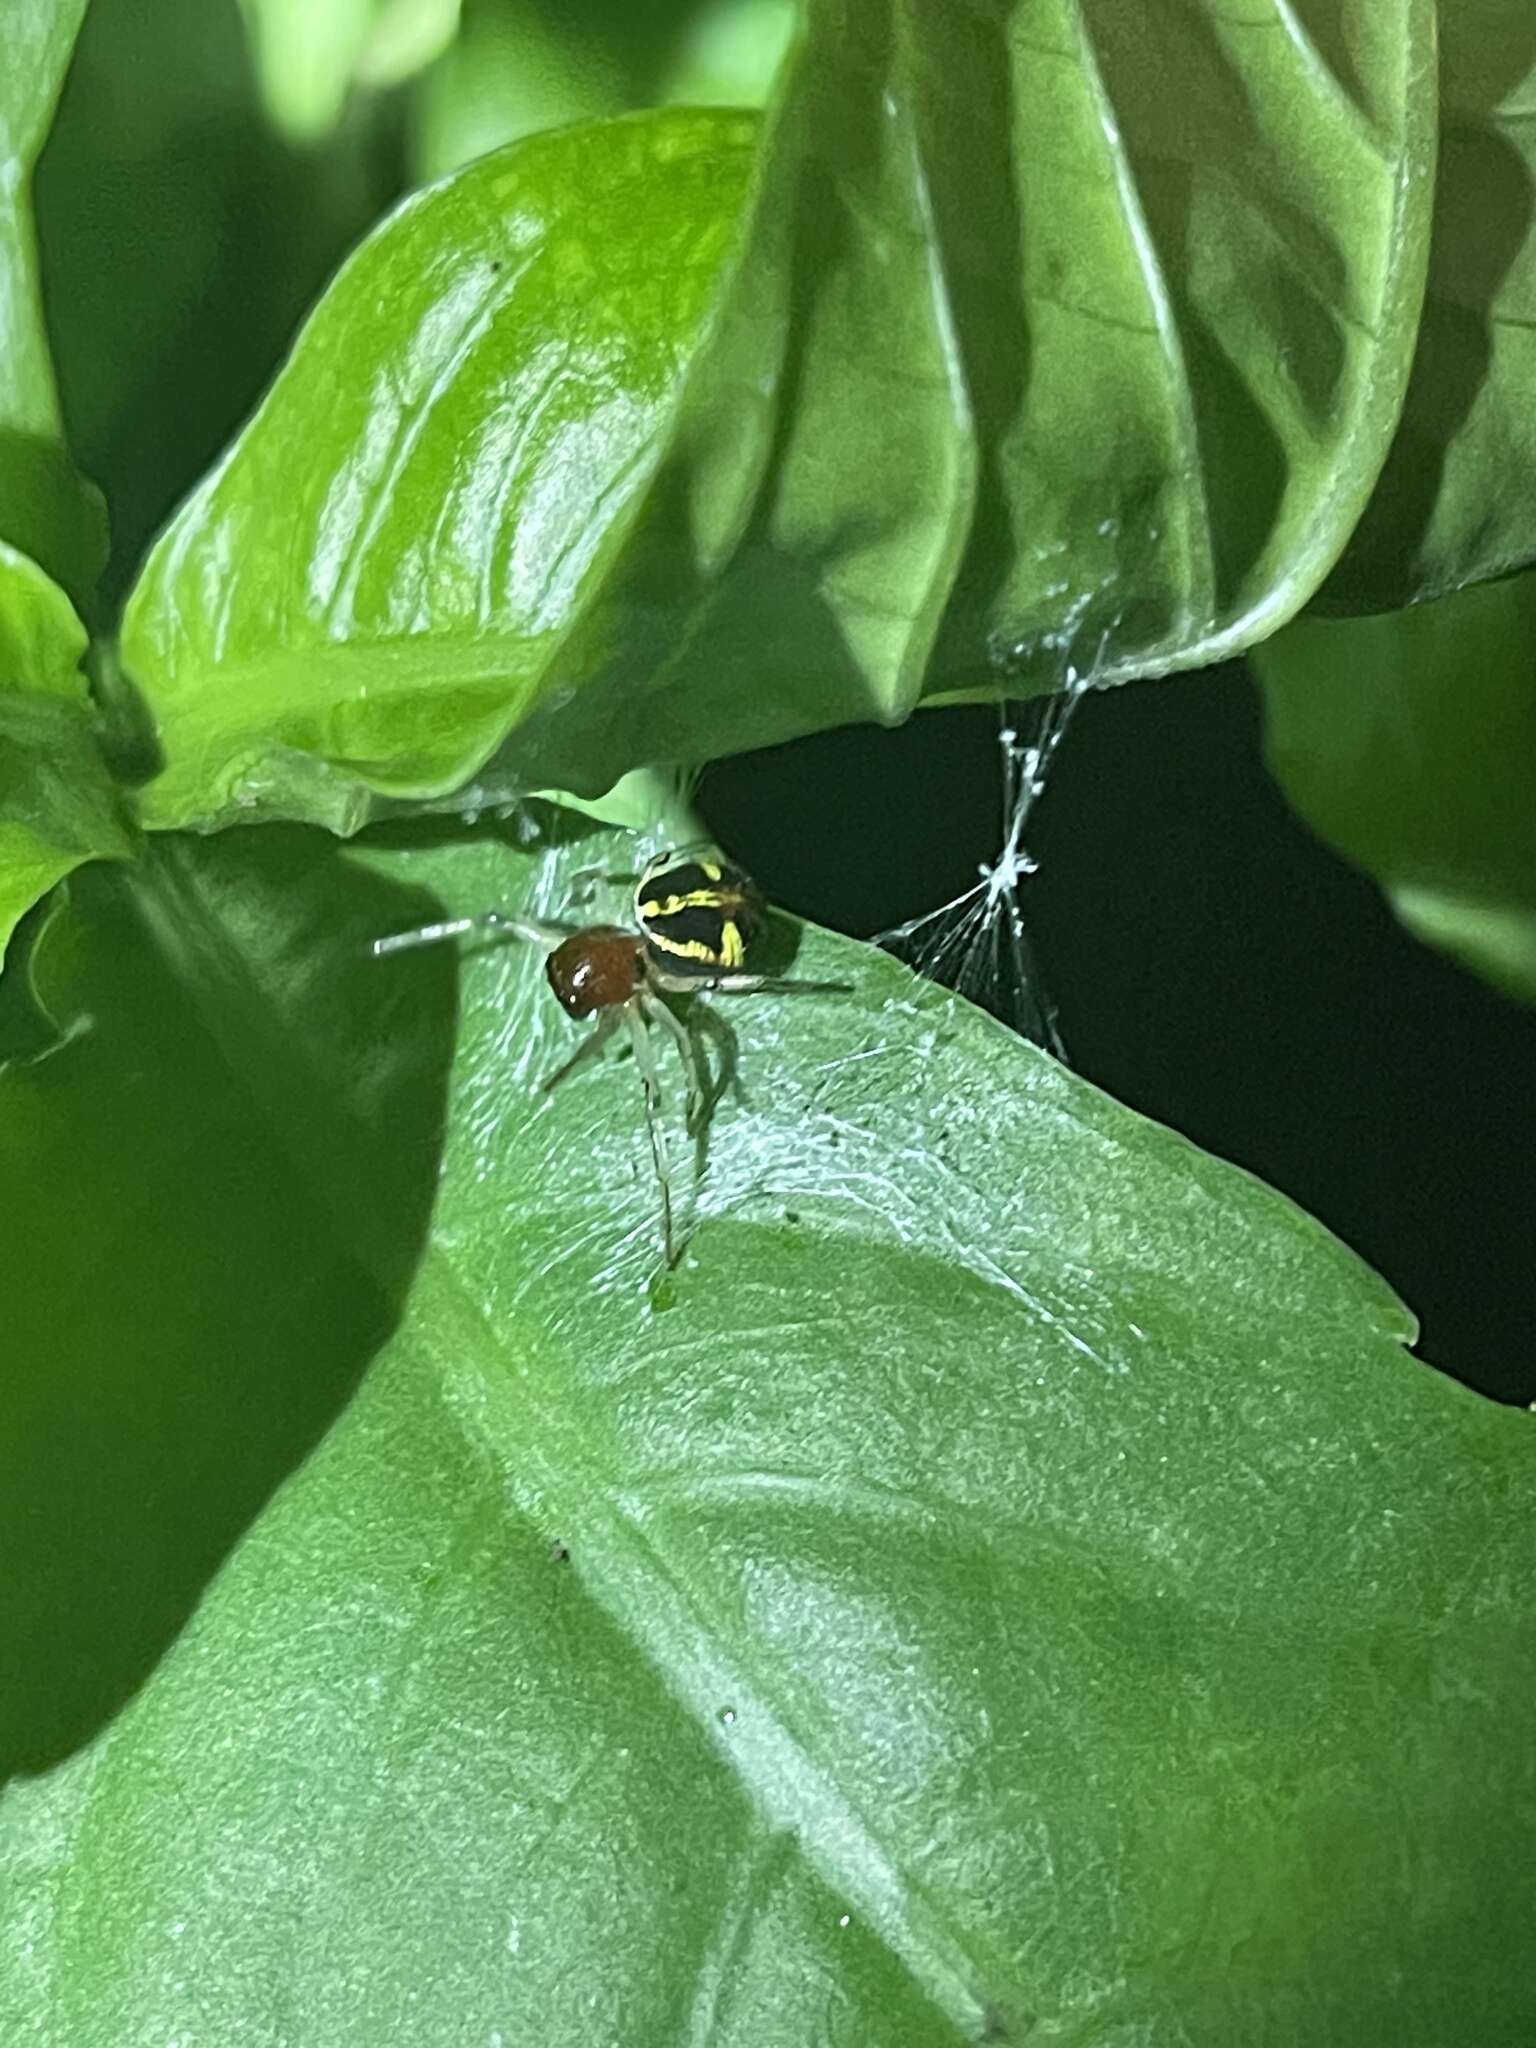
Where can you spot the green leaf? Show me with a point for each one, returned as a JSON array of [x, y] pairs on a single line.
[[729, 52], [517, 67], [1456, 502], [57, 801], [1059, 335], [479, 397], [182, 244], [46, 508], [310, 53], [1409, 743], [1008, 1583], [1032, 347]]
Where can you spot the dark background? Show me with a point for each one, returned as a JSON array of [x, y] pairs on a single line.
[[1211, 963]]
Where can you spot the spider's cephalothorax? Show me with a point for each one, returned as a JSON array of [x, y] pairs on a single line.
[[696, 917]]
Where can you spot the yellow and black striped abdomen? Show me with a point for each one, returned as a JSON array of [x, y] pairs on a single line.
[[698, 916]]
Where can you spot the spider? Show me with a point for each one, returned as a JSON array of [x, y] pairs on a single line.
[[695, 918]]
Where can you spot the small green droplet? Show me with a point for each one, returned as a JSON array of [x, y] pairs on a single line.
[[662, 1293]]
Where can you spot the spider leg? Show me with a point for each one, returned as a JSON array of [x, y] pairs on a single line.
[[658, 1012], [665, 855], [588, 1049], [535, 930], [586, 882], [710, 1023], [639, 1032], [778, 985], [746, 985]]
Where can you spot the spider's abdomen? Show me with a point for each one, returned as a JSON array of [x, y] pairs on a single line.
[[595, 969], [698, 916]]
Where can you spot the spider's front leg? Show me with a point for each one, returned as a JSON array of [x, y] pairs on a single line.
[[535, 931]]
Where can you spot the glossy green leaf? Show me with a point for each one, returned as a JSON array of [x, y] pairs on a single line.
[[1061, 332], [479, 398], [1457, 500], [57, 802], [1409, 743], [1043, 340], [45, 506], [1009, 1583]]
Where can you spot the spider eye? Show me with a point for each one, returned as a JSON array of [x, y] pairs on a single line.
[[698, 916]]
